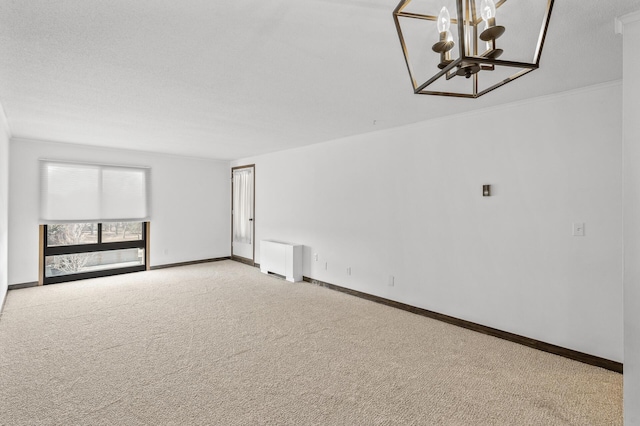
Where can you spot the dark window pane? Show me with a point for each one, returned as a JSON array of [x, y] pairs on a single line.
[[121, 231], [70, 234]]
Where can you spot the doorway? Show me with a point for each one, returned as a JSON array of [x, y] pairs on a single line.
[[242, 214]]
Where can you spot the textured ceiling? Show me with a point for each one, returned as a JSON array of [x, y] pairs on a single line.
[[229, 79]]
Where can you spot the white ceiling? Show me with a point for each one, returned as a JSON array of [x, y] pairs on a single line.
[[230, 79]]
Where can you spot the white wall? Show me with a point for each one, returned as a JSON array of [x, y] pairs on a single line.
[[407, 202], [631, 114], [190, 203], [4, 205]]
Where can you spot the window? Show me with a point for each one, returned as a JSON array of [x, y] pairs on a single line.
[[74, 251], [94, 220]]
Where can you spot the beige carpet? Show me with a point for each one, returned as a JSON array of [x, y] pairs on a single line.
[[222, 344]]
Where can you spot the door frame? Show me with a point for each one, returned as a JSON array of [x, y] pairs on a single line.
[[253, 215]]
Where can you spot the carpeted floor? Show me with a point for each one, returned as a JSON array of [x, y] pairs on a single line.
[[223, 344]]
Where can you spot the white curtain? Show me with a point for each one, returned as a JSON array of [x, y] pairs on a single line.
[[242, 205], [73, 192]]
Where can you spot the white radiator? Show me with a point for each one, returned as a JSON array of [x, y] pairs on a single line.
[[281, 258]]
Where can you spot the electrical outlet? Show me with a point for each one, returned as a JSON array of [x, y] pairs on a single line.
[[392, 281], [349, 270], [315, 256], [326, 265], [578, 229]]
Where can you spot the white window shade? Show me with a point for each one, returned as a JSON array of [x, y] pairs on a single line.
[[71, 192]]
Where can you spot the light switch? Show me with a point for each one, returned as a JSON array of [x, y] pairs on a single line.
[[578, 229]]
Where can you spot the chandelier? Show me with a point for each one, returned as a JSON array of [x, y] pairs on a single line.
[[467, 48]]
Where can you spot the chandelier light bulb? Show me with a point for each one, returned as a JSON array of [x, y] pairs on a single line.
[[444, 20], [487, 9]]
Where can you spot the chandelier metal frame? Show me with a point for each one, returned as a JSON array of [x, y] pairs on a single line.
[[467, 65]]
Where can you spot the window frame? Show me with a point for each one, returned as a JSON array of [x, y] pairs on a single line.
[[91, 248]]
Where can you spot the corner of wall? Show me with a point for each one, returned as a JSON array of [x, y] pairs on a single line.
[[630, 28], [4, 123], [5, 136]]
